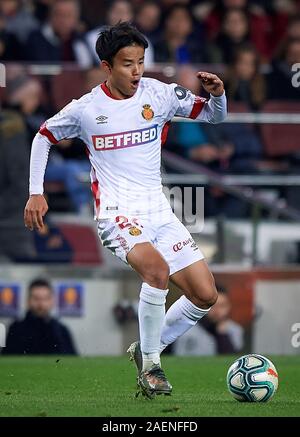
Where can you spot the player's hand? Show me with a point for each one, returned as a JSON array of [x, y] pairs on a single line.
[[35, 209], [211, 83]]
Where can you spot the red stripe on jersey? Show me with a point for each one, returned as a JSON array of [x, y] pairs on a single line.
[[96, 192], [44, 131], [197, 108], [164, 132], [106, 90]]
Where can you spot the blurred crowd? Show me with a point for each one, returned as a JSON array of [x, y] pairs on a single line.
[[251, 44], [184, 31]]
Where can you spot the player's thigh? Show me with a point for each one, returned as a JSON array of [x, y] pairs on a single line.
[[150, 264], [120, 234], [176, 245], [188, 269], [132, 241], [197, 283]]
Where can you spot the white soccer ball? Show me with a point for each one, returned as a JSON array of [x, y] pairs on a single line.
[[252, 378]]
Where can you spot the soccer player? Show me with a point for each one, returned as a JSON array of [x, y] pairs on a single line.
[[123, 123]]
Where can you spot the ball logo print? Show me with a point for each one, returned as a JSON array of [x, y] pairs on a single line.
[[252, 378]]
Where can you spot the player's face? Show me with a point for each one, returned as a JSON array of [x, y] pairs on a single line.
[[41, 301], [126, 71]]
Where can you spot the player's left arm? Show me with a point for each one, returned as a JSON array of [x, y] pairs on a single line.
[[183, 103], [215, 109]]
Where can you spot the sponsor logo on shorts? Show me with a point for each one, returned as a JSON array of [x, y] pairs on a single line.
[[181, 244], [134, 231], [123, 140], [194, 246], [147, 112]]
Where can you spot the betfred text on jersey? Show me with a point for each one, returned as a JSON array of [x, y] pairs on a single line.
[[125, 139]]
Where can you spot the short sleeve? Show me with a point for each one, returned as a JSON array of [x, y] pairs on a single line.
[[183, 102], [65, 124]]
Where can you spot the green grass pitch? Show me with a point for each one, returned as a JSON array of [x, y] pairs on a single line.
[[105, 387]]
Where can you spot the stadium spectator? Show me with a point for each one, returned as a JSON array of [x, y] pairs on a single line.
[[177, 42], [292, 33], [69, 166], [280, 84], [281, 16], [147, 19], [92, 78], [226, 148], [245, 83], [234, 33], [60, 39], [259, 14], [68, 163], [215, 334], [14, 173], [10, 48], [25, 95], [39, 333], [41, 9], [17, 20], [51, 246], [117, 11], [223, 148], [192, 141]]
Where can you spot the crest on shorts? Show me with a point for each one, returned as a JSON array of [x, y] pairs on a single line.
[[134, 231], [147, 112]]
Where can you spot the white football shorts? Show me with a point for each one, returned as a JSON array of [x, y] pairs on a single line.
[[172, 239]]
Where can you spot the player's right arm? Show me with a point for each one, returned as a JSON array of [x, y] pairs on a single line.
[[65, 124], [36, 206]]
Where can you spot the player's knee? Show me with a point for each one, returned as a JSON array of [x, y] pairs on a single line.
[[157, 275], [207, 296], [211, 298]]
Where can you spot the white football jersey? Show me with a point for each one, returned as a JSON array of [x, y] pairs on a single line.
[[124, 137]]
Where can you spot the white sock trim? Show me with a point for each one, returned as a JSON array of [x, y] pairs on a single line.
[[152, 295], [190, 310]]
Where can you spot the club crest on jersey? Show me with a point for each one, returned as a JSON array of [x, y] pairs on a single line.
[[134, 231], [147, 112]]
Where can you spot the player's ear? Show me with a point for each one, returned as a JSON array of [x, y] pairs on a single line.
[[106, 66]]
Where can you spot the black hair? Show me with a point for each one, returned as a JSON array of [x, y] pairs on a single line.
[[114, 38], [39, 282]]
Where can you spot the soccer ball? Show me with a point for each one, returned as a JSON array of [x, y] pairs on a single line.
[[252, 378]]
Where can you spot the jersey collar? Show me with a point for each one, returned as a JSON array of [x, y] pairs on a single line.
[[106, 90]]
